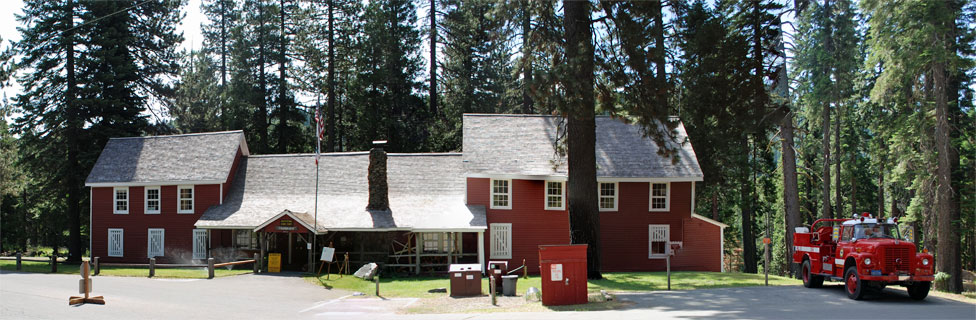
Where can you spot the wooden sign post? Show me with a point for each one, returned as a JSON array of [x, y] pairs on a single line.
[[84, 287]]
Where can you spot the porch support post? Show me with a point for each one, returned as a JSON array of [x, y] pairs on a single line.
[[289, 247], [264, 248], [481, 250], [419, 239]]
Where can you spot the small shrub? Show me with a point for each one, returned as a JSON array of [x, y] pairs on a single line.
[[941, 281]]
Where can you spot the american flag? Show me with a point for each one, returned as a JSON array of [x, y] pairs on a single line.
[[318, 132]]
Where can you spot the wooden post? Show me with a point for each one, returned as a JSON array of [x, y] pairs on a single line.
[[419, 241], [97, 268], [210, 268], [263, 245], [152, 267], [54, 263], [18, 261], [491, 289], [257, 262], [669, 272], [377, 279], [84, 286]]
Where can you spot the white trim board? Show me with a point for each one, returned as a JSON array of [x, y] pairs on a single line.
[[282, 214], [564, 178], [703, 218], [151, 183]]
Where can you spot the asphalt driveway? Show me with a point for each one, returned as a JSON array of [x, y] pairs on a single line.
[[45, 296]]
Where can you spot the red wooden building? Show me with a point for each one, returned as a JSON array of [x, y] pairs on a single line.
[[193, 196]]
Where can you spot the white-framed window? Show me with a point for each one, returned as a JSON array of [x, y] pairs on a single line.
[[115, 242], [152, 200], [660, 196], [555, 195], [501, 241], [199, 243], [659, 235], [156, 244], [501, 194], [244, 238], [121, 200], [434, 241], [184, 196], [608, 196]]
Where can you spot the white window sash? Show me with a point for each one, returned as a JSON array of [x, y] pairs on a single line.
[[116, 242], [508, 194], [616, 191], [658, 233], [501, 241], [116, 200], [179, 199], [199, 243], [158, 200], [156, 242], [667, 197], [561, 195]]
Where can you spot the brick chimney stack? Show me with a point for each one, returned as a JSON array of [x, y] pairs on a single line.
[[378, 187]]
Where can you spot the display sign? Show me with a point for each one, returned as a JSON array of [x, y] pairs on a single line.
[[286, 224], [556, 272], [327, 254], [274, 262]]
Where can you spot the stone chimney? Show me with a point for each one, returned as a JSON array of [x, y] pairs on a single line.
[[378, 188]]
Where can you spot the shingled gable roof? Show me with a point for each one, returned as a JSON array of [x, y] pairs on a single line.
[[197, 158], [523, 145], [426, 192]]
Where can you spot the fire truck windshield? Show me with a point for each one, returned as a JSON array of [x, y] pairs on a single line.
[[876, 230]]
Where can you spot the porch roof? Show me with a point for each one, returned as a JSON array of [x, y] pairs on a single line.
[[426, 192]]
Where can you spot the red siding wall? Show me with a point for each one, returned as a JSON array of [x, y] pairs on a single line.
[[532, 225], [178, 239], [623, 233]]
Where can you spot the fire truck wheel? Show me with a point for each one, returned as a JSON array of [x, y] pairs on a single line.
[[919, 290], [810, 280], [853, 284]]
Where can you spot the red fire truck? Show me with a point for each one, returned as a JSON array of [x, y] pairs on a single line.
[[864, 252]]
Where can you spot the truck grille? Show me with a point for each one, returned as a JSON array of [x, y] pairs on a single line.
[[897, 259]]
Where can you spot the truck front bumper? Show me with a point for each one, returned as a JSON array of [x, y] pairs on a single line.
[[897, 278]]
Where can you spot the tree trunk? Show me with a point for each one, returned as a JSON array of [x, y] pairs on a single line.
[[262, 116], [526, 60], [433, 57], [827, 213], [715, 204], [223, 45], [283, 107], [881, 195], [584, 224], [330, 128], [748, 237], [948, 256], [791, 196], [838, 155], [74, 125], [661, 95]]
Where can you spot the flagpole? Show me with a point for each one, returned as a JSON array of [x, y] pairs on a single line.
[[318, 144]]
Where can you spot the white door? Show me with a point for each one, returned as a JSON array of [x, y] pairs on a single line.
[[199, 244], [501, 241], [156, 238]]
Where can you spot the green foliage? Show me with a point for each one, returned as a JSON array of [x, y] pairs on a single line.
[[198, 100]]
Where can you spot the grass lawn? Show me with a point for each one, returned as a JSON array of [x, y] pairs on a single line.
[[614, 282], [44, 267]]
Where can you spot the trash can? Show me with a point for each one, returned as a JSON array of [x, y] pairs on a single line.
[[509, 283], [563, 269], [497, 269], [465, 280]]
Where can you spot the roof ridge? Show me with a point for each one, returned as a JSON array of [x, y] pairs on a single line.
[[180, 135], [330, 154]]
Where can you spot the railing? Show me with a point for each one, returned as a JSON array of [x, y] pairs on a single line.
[[52, 260], [152, 265]]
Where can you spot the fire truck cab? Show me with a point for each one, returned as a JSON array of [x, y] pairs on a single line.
[[865, 253]]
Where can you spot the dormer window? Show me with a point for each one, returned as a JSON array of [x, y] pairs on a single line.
[[121, 200], [185, 199]]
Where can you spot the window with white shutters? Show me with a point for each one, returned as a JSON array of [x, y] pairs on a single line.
[[199, 244], [501, 241], [114, 242], [658, 238], [156, 247]]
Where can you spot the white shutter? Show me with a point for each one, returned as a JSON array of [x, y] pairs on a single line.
[[501, 241], [115, 242], [658, 233], [156, 237], [199, 244]]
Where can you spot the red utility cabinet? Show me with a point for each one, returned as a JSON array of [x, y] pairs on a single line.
[[563, 269]]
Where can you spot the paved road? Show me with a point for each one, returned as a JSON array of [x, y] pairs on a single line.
[[44, 296]]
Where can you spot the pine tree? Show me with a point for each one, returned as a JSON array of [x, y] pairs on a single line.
[[196, 107]]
